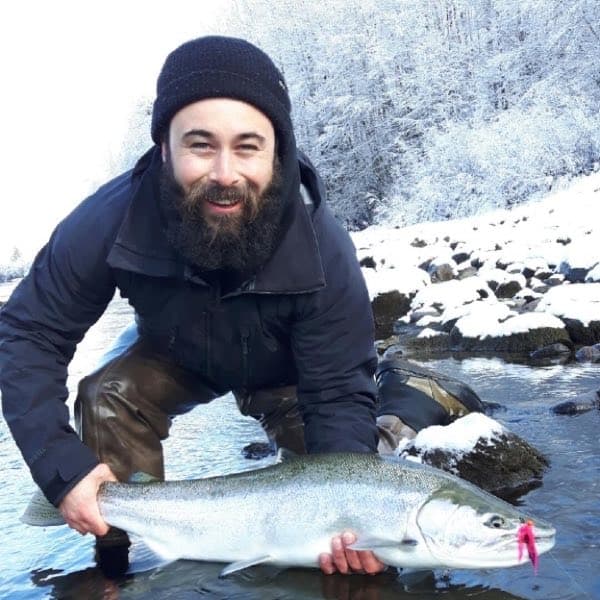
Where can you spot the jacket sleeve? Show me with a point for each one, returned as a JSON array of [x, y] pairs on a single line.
[[333, 342], [66, 291]]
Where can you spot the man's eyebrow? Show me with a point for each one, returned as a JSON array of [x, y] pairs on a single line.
[[251, 135], [248, 135], [198, 132]]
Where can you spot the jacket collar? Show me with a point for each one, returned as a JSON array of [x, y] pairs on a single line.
[[141, 245]]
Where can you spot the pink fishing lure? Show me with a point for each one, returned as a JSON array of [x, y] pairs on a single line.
[[526, 538]]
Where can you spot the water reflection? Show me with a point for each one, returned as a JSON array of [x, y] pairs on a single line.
[[188, 579], [56, 563]]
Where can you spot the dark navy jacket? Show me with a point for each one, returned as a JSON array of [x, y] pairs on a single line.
[[304, 319]]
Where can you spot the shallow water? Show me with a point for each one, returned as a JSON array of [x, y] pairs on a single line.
[[58, 563]]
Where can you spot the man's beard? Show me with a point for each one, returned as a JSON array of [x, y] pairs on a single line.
[[242, 241]]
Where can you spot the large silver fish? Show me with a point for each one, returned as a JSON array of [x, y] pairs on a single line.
[[409, 515]]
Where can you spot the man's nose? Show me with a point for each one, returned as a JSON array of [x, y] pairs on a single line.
[[223, 169]]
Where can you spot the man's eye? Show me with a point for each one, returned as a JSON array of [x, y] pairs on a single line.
[[247, 148], [201, 146]]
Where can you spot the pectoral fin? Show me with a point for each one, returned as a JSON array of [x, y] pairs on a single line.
[[244, 564], [372, 543]]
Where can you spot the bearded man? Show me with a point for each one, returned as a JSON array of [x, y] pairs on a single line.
[[240, 278]]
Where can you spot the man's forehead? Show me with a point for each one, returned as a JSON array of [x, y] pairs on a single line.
[[214, 116]]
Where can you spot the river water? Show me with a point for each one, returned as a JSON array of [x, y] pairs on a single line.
[[58, 563]]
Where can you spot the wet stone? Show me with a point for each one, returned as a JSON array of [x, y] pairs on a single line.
[[582, 334], [588, 354], [580, 404], [550, 351], [508, 289], [257, 450], [507, 467], [387, 309]]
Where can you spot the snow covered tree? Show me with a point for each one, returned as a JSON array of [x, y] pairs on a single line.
[[431, 109]]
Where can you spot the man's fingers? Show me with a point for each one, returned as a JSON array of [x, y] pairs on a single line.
[[80, 506], [338, 554], [98, 528], [362, 560], [326, 564], [371, 564], [352, 556], [346, 560], [89, 525]]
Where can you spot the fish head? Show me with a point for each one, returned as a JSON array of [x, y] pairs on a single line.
[[464, 527]]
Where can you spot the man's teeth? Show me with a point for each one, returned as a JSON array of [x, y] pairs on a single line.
[[225, 202]]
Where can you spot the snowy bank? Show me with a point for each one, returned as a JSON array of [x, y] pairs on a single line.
[[512, 281]]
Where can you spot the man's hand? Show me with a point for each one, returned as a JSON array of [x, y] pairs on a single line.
[[344, 560], [80, 506]]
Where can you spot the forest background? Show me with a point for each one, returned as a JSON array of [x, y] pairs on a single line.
[[414, 110]]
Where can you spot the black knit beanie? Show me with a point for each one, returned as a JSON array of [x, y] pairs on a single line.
[[214, 67]]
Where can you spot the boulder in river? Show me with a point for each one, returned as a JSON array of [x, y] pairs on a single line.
[[482, 451], [552, 354], [387, 308], [588, 354], [510, 334], [580, 404]]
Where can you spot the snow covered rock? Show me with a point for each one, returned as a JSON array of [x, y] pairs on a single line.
[[492, 331], [391, 292], [482, 451], [578, 306], [578, 261]]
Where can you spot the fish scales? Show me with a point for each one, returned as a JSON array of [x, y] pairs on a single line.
[[410, 515], [297, 505]]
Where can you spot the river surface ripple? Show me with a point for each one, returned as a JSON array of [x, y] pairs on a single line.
[[58, 563]]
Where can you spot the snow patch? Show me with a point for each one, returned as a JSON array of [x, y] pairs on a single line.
[[460, 437], [579, 301]]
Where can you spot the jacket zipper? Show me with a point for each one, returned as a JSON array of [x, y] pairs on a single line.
[[245, 363], [172, 338], [206, 317]]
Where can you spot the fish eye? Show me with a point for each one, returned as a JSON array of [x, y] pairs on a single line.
[[495, 521]]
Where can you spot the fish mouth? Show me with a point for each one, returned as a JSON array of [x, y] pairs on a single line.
[[506, 550], [544, 539], [502, 551]]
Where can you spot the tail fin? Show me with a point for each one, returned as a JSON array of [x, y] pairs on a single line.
[[40, 513]]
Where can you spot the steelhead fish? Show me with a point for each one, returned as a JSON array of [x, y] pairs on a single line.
[[408, 514]]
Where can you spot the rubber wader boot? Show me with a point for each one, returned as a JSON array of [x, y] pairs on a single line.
[[123, 412], [392, 431], [276, 409], [411, 398], [111, 552]]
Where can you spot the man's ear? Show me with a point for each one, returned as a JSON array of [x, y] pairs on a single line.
[[164, 151]]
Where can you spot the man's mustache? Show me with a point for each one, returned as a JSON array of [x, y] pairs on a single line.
[[219, 194]]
